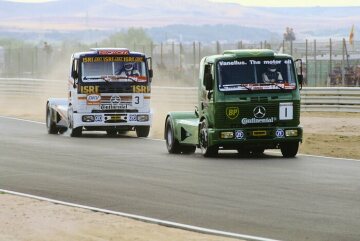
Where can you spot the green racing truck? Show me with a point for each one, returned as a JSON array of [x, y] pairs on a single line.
[[248, 100]]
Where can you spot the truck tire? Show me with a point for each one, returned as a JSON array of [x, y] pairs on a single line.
[[206, 150], [50, 123], [289, 149], [76, 132], [172, 144], [142, 131]]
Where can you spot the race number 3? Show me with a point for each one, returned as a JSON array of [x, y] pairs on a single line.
[[137, 100], [286, 111]]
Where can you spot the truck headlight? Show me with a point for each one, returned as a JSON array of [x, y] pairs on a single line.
[[142, 118], [88, 118], [291, 132], [226, 135]]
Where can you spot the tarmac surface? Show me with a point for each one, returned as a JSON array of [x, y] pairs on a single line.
[[305, 198]]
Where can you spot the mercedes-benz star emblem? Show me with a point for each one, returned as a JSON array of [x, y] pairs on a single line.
[[259, 112], [115, 100]]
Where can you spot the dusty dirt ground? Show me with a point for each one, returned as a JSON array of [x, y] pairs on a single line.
[[25, 219], [327, 134]]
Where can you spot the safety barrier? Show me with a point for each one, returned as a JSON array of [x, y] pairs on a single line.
[[337, 99]]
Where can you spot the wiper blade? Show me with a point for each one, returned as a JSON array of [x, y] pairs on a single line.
[[274, 84], [243, 85], [233, 86]]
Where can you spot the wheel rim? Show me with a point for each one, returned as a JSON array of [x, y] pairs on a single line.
[[169, 139], [203, 139], [48, 119]]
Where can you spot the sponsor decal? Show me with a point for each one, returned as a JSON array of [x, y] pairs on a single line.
[[279, 133], [113, 107], [98, 118], [246, 121], [232, 112], [115, 100], [230, 63], [93, 99], [259, 112], [114, 52], [132, 117], [89, 89], [239, 134], [259, 117], [112, 59], [115, 104], [141, 89]]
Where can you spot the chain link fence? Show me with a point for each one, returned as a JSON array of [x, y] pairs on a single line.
[[326, 63]]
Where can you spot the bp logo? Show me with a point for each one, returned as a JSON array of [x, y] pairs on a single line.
[[232, 112]]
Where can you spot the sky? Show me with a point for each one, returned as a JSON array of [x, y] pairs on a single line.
[[294, 3], [266, 3]]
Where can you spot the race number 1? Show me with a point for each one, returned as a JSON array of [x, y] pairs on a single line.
[[286, 111]]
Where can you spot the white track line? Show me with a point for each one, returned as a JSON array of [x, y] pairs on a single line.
[[154, 139], [146, 219], [19, 119]]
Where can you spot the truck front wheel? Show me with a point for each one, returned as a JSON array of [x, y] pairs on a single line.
[[142, 131], [50, 123], [289, 149], [172, 144], [206, 150], [76, 132]]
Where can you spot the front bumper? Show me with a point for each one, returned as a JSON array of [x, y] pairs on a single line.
[[112, 119], [268, 137]]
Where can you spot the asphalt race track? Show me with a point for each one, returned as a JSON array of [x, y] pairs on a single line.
[[306, 198]]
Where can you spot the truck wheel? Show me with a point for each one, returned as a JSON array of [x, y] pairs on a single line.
[[76, 132], [172, 144], [289, 149], [206, 150], [142, 131], [50, 123]]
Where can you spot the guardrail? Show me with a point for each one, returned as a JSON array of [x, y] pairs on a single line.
[[338, 99], [334, 99]]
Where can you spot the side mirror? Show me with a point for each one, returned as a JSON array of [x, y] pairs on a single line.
[[196, 111], [208, 81], [74, 74], [300, 79], [151, 73], [75, 77]]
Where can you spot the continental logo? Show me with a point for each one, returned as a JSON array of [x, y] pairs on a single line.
[[89, 89], [232, 112]]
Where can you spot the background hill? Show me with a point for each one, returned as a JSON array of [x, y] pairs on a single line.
[[173, 19]]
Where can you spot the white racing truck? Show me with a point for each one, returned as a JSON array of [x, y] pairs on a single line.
[[108, 90]]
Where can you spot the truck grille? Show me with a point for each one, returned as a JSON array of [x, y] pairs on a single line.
[[246, 110]]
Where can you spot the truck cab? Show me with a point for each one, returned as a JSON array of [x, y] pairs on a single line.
[[248, 100], [108, 90]]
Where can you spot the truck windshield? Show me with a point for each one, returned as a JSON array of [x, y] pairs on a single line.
[[256, 74], [113, 69]]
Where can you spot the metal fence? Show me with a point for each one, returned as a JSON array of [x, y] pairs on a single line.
[[337, 99], [327, 63]]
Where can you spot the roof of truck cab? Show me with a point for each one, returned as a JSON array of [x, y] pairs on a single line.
[[95, 51], [247, 53]]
